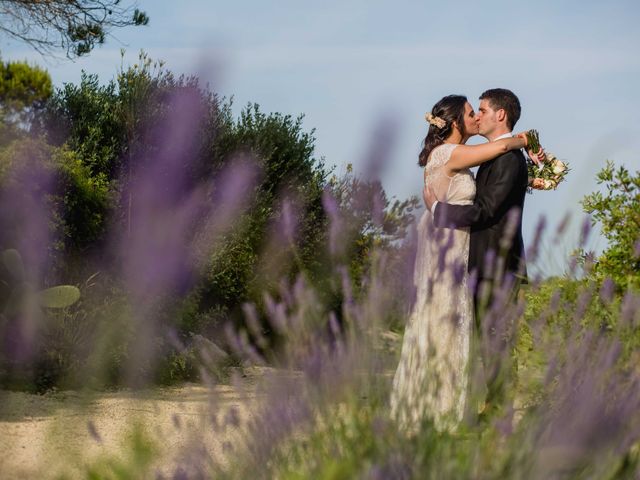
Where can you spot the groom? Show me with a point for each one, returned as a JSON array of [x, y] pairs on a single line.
[[496, 249]]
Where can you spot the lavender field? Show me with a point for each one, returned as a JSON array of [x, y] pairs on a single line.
[[189, 289], [150, 239]]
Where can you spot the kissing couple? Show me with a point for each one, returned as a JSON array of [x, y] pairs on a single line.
[[469, 265]]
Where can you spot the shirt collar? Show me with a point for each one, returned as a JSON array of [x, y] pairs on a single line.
[[504, 135]]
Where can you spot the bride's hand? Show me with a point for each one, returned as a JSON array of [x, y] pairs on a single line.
[[539, 157], [523, 135]]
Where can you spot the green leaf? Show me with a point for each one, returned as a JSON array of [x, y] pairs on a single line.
[[59, 297]]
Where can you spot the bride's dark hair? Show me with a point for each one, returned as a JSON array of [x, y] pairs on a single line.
[[450, 109]]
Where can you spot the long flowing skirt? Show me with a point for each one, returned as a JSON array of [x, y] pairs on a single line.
[[432, 375]]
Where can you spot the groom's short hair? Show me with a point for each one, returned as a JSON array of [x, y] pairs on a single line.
[[501, 98]]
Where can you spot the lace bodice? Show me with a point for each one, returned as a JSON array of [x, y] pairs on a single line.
[[459, 189]]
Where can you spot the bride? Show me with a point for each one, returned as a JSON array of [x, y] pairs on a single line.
[[431, 378]]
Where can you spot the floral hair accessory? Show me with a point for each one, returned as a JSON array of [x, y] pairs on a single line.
[[436, 121]]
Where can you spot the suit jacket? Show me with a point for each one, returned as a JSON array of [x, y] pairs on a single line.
[[495, 217]]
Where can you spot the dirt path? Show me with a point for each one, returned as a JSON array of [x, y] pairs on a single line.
[[46, 436]]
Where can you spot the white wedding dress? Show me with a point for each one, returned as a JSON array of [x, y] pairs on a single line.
[[432, 376]]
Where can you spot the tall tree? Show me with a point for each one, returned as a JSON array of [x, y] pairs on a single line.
[[24, 89], [76, 26]]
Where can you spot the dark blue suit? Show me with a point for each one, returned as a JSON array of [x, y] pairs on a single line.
[[501, 185]]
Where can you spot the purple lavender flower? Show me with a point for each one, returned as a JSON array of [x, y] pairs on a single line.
[[335, 228], [489, 262], [513, 219], [379, 153], [289, 224], [562, 226], [583, 303], [607, 290], [443, 249], [251, 318], [534, 249], [504, 425], [25, 219], [459, 271], [93, 431], [334, 325], [275, 314], [232, 417], [176, 421], [630, 309], [232, 339], [592, 410], [584, 232], [180, 474]]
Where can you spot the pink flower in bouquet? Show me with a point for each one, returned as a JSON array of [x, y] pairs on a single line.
[[537, 183]]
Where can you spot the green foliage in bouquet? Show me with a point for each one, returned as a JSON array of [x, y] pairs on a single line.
[[533, 140]]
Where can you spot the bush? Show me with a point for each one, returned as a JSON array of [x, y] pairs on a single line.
[[76, 202], [99, 143], [241, 269], [618, 213]]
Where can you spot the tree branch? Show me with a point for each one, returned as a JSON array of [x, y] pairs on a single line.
[[75, 26]]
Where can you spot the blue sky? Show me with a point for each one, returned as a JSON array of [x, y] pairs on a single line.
[[353, 66]]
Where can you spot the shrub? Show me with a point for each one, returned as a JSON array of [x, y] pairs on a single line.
[[617, 211]]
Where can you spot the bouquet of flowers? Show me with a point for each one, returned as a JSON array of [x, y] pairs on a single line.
[[548, 174]]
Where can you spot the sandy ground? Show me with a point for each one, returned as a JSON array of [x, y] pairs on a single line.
[[58, 435], [45, 436]]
